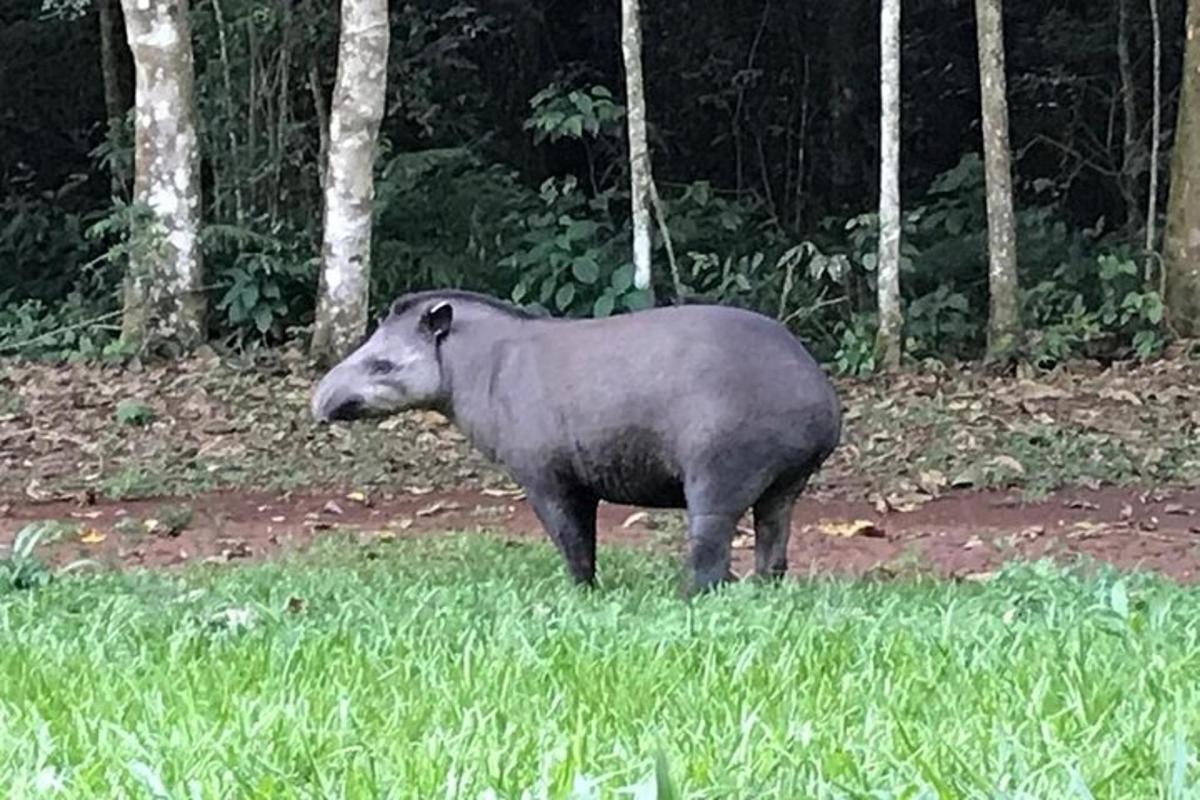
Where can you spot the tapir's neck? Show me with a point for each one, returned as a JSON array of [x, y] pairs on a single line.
[[473, 358]]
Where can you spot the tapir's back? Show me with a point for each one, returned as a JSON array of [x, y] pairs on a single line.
[[700, 369]]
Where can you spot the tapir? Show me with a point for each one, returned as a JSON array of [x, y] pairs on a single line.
[[707, 408]]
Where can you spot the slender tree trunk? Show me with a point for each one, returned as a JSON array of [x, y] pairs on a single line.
[[1131, 149], [165, 298], [1155, 138], [115, 101], [845, 147], [1004, 324], [355, 115], [639, 150], [888, 344], [1181, 239]]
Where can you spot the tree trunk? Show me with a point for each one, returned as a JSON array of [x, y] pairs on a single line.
[[845, 146], [115, 101], [355, 115], [1004, 325], [1131, 144], [890, 321], [164, 298], [1181, 238], [639, 150], [1155, 138]]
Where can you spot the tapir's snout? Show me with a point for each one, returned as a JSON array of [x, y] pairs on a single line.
[[335, 400]]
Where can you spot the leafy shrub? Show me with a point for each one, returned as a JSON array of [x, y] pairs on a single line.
[[572, 257], [266, 281]]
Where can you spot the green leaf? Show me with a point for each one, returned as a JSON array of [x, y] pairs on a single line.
[[585, 269], [564, 296], [263, 318], [638, 300], [1119, 599], [547, 289], [622, 278], [604, 305], [134, 412]]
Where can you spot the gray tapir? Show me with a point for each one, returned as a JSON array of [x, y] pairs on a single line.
[[704, 407]]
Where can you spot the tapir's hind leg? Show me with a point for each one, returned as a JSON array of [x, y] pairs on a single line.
[[773, 524], [569, 516]]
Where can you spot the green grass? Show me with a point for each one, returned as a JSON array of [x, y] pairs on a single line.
[[452, 666]]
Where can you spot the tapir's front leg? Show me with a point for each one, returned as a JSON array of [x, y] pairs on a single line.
[[569, 516]]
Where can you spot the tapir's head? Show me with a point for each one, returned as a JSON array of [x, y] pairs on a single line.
[[397, 368]]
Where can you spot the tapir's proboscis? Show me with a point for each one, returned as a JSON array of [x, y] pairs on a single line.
[[707, 408]]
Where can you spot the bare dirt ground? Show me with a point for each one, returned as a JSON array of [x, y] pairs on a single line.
[[961, 535], [216, 458]]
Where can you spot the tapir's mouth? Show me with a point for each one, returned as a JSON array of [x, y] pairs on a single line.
[[352, 409]]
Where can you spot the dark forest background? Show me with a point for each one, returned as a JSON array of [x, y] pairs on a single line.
[[504, 166]]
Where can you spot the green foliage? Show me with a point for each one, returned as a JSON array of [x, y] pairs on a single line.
[[855, 355], [134, 412], [443, 219], [43, 249], [265, 280], [1093, 308], [571, 257], [560, 113], [21, 569], [74, 329]]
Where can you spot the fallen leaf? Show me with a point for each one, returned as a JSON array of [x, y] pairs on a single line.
[[907, 503], [490, 492], [973, 543], [743, 541], [1009, 464], [437, 508], [845, 530], [385, 536], [1178, 510], [359, 497], [418, 490], [404, 523], [1126, 512], [91, 536], [278, 519], [332, 508], [932, 481], [1086, 530], [636, 518], [1082, 505]]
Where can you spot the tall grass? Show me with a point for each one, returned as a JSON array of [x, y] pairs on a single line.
[[461, 667]]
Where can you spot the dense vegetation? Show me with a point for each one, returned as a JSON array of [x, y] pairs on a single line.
[[504, 166]]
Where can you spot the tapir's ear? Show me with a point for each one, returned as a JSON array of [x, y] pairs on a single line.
[[437, 318]]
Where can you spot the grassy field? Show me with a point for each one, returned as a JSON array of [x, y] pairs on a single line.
[[462, 666]]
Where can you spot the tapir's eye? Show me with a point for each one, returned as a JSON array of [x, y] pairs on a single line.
[[380, 366]]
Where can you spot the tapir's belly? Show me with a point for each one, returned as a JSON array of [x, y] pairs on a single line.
[[634, 467]]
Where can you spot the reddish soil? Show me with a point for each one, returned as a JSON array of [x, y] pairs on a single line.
[[957, 535]]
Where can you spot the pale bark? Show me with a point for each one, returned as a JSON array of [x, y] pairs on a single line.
[[355, 116], [1181, 239], [639, 150], [888, 343], [164, 298], [1004, 326]]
